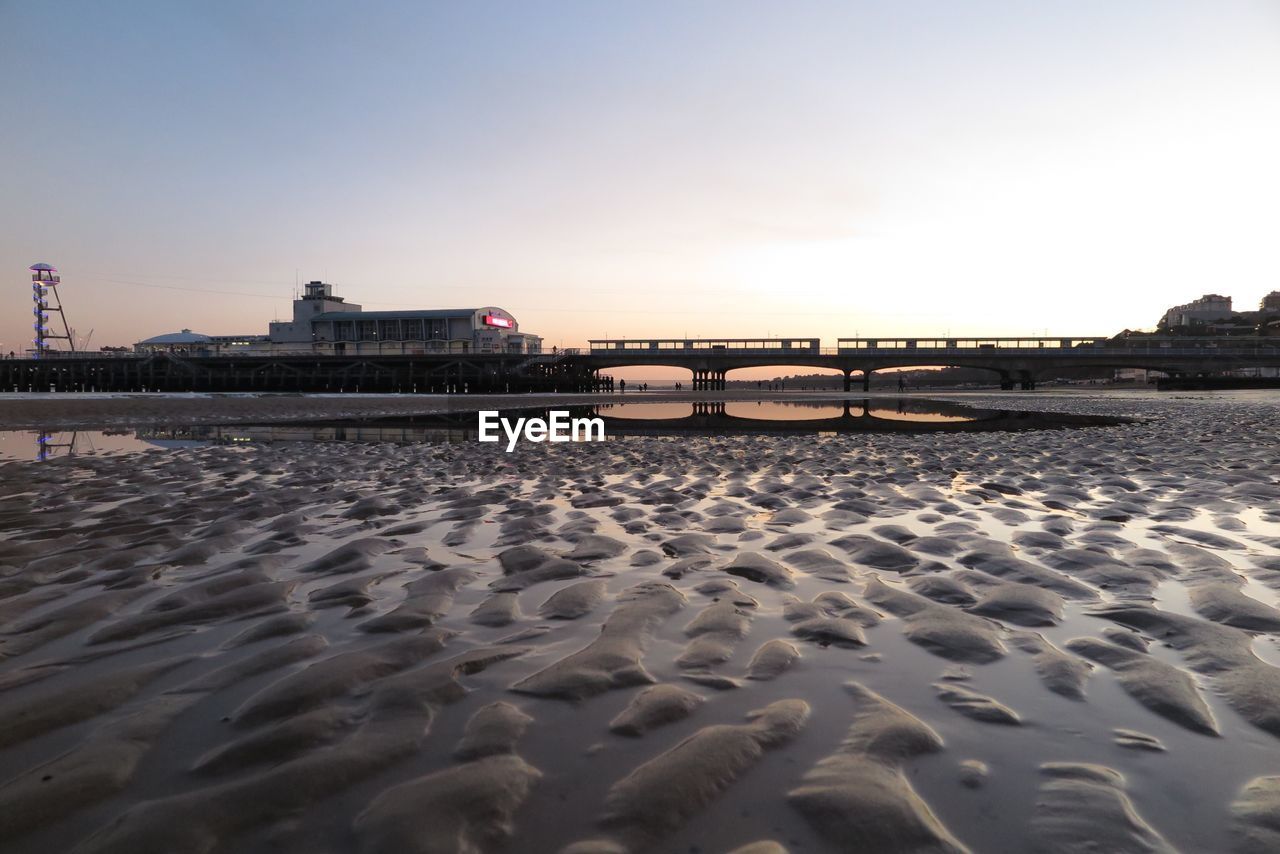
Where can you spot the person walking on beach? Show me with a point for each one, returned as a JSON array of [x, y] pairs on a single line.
[[622, 386]]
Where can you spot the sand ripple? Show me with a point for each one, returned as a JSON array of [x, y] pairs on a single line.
[[695, 643]]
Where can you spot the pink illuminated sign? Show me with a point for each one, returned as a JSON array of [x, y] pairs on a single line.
[[494, 320]]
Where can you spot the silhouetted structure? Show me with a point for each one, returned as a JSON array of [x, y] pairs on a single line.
[[45, 303], [1019, 362], [326, 324]]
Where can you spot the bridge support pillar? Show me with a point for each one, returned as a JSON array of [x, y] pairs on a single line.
[[848, 381], [709, 380], [1026, 380], [866, 380]]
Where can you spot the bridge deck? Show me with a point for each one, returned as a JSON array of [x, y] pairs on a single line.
[[704, 346], [895, 347], [1018, 361]]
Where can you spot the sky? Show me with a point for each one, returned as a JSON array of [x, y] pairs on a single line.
[[641, 169]]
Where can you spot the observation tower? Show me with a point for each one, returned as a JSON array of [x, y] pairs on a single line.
[[44, 296]]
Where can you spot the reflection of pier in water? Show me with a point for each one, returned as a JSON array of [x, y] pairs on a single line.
[[48, 444], [400, 431]]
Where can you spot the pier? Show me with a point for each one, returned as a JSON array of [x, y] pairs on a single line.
[[1017, 362], [461, 373]]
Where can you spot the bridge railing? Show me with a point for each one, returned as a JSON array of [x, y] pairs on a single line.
[[705, 346], [1206, 347], [549, 356], [859, 344], [1041, 346]]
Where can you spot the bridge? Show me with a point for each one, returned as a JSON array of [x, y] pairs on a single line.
[[1018, 361]]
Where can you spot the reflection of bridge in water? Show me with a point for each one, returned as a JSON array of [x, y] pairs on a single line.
[[868, 415], [1018, 361]]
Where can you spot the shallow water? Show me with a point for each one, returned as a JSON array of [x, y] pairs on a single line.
[[1192, 472], [898, 409], [816, 416]]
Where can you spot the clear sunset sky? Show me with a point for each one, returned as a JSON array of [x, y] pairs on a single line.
[[641, 168]]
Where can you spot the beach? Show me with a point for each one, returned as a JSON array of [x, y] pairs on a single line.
[[992, 642]]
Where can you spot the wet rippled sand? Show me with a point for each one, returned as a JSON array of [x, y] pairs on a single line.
[[1059, 640]]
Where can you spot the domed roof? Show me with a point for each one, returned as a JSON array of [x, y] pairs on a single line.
[[186, 336], [35, 268]]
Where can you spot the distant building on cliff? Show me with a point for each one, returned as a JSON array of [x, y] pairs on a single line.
[[1207, 309], [1212, 315], [327, 324]]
